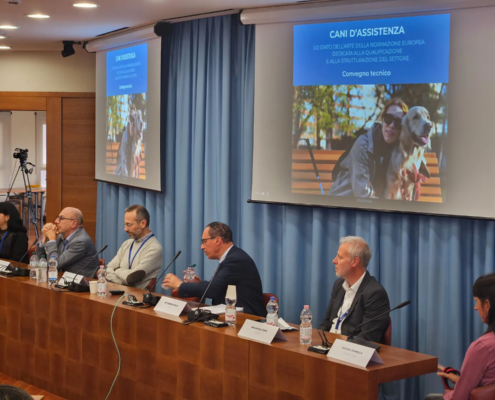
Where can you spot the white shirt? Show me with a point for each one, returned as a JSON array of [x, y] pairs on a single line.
[[350, 293], [225, 255]]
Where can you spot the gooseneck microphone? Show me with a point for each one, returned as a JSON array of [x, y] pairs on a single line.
[[366, 343], [152, 299], [198, 314], [77, 287], [18, 271]]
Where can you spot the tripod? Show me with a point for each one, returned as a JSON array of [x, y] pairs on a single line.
[[25, 170]]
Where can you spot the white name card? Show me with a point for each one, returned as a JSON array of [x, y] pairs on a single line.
[[260, 332], [353, 353], [169, 305], [5, 266], [68, 277]]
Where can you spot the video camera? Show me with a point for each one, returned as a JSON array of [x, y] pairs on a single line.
[[21, 154]]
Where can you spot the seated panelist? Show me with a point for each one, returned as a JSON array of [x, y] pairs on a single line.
[[69, 242], [139, 259], [13, 237], [235, 267], [356, 295]]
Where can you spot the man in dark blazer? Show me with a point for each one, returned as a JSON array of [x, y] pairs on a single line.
[[356, 296], [235, 268], [69, 242]]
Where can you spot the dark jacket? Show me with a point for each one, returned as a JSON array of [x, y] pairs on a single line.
[[237, 269], [370, 301], [15, 245]]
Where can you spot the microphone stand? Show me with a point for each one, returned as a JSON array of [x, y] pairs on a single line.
[[77, 287], [364, 342], [149, 298], [198, 314], [18, 271]]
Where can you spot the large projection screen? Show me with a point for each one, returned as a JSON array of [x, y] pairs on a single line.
[[128, 115], [321, 87]]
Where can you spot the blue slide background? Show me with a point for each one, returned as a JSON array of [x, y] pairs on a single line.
[[317, 61], [127, 70]]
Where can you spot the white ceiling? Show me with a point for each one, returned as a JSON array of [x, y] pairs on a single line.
[[69, 23]]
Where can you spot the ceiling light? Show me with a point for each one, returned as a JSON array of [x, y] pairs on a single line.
[[4, 48], [85, 5], [2, 36], [39, 16], [8, 27]]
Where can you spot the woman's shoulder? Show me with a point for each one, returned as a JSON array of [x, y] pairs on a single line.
[[484, 343]]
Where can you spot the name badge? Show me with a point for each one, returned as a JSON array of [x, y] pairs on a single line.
[[260, 332], [353, 353], [169, 305]]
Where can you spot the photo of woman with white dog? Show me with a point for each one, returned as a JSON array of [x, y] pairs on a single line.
[[370, 141]]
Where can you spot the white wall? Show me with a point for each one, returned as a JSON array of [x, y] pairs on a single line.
[[47, 71], [5, 154], [23, 136]]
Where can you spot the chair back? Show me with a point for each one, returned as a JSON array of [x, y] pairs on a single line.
[[483, 393], [387, 338], [266, 298]]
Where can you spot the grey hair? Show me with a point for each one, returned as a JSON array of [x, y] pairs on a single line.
[[358, 248]]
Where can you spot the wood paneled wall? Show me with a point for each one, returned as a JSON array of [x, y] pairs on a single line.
[[70, 123]]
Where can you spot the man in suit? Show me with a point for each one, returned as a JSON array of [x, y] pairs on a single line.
[[356, 295], [69, 242], [235, 268]]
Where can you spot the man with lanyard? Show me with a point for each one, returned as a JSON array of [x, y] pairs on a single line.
[[356, 295], [235, 267], [139, 259], [70, 243]]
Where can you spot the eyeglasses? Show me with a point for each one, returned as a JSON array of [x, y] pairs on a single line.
[[61, 218], [390, 119], [129, 224], [203, 241]]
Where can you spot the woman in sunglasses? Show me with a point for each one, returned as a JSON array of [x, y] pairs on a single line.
[[478, 367], [13, 237], [361, 172]]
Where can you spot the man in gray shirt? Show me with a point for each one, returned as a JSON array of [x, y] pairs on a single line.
[[69, 242], [139, 259]]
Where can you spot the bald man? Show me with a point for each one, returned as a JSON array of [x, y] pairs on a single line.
[[69, 242]]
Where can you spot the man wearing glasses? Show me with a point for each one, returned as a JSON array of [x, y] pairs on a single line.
[[139, 259], [69, 242], [235, 267]]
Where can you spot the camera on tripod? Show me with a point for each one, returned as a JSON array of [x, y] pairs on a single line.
[[21, 154]]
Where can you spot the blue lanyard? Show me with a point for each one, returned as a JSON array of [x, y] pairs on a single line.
[[1, 243], [130, 250], [341, 317]]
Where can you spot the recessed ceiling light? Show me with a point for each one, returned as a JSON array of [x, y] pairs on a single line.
[[2, 36], [39, 16], [8, 27], [4, 48], [85, 5]]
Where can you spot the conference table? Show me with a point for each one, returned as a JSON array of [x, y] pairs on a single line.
[[62, 343]]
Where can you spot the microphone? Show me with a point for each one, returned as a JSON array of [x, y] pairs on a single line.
[[198, 314], [77, 287], [364, 342], [18, 271], [152, 299]]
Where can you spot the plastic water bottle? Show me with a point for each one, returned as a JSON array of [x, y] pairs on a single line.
[[42, 269], [101, 291], [33, 266], [230, 310], [306, 329], [272, 312], [52, 269], [189, 273]]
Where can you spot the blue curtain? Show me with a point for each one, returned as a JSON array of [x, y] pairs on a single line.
[[207, 138]]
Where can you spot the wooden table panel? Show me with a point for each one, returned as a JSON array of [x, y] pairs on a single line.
[[62, 342]]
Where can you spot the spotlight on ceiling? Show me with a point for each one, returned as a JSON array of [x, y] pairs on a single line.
[[69, 48]]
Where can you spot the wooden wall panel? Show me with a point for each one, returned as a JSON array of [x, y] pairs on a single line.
[[54, 157], [78, 159], [23, 103]]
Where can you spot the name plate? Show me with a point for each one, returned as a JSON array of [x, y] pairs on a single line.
[[169, 305], [5, 266], [68, 277], [260, 332], [353, 353]]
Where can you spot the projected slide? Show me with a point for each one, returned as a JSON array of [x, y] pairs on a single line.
[[126, 111], [370, 109]]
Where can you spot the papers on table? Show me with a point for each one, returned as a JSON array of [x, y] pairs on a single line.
[[219, 309]]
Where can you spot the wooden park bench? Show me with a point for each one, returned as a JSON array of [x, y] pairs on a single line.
[[111, 157], [304, 178]]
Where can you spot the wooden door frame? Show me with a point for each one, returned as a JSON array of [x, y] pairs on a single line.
[[51, 103]]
